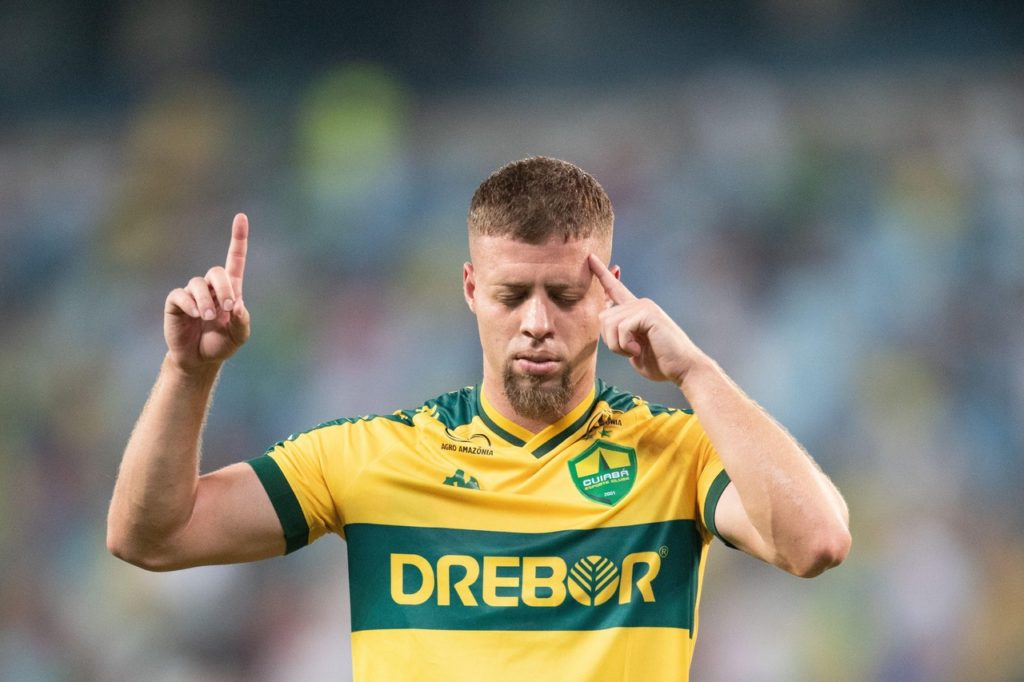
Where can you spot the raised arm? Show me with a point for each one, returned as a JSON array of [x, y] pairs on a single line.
[[163, 515], [780, 506]]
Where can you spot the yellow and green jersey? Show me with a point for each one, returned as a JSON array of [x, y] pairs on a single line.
[[478, 550]]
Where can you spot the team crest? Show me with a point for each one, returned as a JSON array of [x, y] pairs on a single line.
[[604, 472]]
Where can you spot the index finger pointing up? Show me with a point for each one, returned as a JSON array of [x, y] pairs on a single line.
[[613, 286], [235, 264]]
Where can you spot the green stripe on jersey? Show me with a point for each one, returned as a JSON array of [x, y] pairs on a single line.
[[289, 512], [560, 437], [453, 579], [718, 486], [502, 433]]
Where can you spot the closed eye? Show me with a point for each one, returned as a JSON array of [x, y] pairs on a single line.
[[558, 295], [564, 296], [511, 299], [565, 301]]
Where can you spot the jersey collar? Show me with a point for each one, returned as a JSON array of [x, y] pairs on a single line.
[[546, 440]]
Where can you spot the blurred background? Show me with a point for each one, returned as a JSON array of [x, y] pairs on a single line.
[[828, 195]]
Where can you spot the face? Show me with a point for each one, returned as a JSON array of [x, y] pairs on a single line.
[[537, 309]]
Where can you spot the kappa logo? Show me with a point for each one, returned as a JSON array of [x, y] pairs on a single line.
[[604, 472], [458, 480]]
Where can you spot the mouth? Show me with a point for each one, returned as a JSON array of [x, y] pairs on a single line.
[[536, 363]]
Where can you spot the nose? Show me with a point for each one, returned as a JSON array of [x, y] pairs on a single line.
[[536, 318]]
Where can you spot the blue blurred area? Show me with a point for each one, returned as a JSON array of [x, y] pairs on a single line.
[[828, 196]]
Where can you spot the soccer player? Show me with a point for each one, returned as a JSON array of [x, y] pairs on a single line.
[[539, 525]]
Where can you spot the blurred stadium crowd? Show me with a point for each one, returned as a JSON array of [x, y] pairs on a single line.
[[847, 240]]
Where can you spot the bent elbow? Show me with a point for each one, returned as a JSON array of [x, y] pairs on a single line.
[[824, 552], [120, 548], [136, 554], [117, 543]]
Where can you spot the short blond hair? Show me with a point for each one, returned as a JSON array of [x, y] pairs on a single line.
[[533, 199]]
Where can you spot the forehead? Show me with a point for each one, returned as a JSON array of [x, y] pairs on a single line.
[[501, 259]]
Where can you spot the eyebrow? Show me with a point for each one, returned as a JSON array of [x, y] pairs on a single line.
[[556, 288]]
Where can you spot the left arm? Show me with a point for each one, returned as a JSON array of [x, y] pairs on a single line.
[[780, 506]]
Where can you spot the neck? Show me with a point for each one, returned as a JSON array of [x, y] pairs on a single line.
[[494, 389]]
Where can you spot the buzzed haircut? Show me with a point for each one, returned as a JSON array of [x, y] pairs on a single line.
[[536, 198]]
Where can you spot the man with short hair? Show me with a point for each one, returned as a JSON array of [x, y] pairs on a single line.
[[540, 525]]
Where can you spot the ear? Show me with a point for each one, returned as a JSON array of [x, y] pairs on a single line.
[[469, 286]]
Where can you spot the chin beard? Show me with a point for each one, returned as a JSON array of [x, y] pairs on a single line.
[[533, 398]]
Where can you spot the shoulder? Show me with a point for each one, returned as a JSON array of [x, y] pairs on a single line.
[[451, 406], [623, 401], [653, 423], [451, 409], [455, 408]]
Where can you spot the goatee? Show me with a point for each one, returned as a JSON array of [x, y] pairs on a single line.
[[538, 398]]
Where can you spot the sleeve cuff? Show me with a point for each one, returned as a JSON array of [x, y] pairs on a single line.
[[718, 486], [289, 511]]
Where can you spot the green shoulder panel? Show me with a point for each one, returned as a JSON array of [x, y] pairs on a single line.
[[398, 417], [455, 408], [617, 399], [624, 400], [657, 409]]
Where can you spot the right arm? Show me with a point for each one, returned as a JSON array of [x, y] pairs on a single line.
[[163, 515]]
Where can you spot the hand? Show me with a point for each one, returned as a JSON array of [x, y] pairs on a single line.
[[639, 329], [205, 322]]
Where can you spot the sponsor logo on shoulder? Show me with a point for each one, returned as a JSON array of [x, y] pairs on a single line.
[[602, 423]]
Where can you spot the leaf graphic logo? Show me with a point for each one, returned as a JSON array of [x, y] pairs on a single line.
[[593, 580]]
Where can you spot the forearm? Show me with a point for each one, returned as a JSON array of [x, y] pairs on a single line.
[[793, 506], [156, 486]]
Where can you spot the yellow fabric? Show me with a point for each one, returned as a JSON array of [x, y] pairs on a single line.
[[389, 473], [616, 655]]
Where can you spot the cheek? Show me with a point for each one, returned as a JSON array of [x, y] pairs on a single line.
[[590, 318], [495, 322], [584, 329]]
